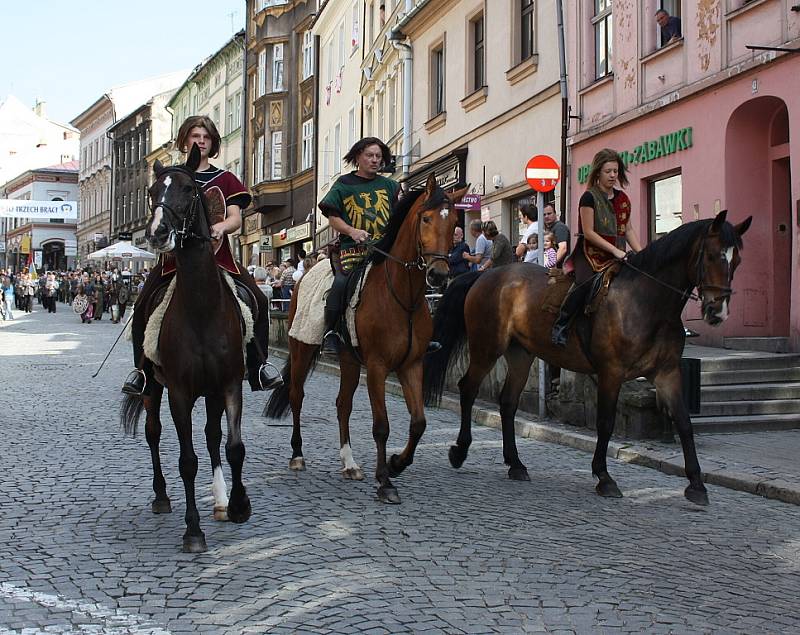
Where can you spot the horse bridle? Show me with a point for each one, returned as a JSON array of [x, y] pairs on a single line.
[[189, 218]]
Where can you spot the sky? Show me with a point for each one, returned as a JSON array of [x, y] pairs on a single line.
[[68, 53]]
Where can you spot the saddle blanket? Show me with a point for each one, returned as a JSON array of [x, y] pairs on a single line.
[[153, 329], [308, 324]]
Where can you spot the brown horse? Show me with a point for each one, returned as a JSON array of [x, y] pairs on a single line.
[[200, 346], [393, 325], [635, 331]]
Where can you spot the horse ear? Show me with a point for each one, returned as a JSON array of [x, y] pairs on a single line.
[[719, 221], [430, 184], [457, 195], [194, 158], [157, 167], [742, 227]]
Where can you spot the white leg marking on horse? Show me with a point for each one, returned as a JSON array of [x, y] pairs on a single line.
[[347, 457], [723, 314], [219, 489]]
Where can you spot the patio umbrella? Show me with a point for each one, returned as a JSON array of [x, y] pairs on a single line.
[[123, 251]]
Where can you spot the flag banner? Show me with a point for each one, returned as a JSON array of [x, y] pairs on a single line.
[[38, 210]]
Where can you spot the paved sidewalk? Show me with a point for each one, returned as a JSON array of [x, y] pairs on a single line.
[[762, 463]]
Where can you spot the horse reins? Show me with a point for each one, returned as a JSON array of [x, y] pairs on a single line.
[[418, 264], [689, 294]]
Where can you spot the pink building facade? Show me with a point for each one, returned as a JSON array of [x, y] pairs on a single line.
[[705, 124]]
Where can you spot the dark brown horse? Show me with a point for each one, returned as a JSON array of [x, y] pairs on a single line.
[[200, 349], [393, 325], [635, 331]]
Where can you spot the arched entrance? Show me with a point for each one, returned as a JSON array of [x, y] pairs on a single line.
[[758, 182], [54, 255]]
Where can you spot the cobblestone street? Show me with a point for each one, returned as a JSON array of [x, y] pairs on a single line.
[[467, 551]]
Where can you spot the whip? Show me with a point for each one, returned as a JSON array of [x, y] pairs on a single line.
[[112, 346]]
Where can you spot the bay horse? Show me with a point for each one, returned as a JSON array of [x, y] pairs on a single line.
[[200, 346], [393, 326], [635, 331]]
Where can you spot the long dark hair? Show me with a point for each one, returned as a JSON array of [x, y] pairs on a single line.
[[359, 146], [600, 159]]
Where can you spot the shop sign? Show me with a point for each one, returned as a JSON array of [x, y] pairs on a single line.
[[649, 150], [38, 210], [265, 242], [124, 236], [70, 251], [292, 235], [470, 202]]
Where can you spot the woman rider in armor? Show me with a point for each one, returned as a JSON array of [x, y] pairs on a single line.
[[604, 226], [261, 375]]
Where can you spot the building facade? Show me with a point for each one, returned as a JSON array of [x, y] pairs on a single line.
[[280, 123], [53, 243], [704, 123], [134, 137], [484, 98], [29, 140], [94, 223]]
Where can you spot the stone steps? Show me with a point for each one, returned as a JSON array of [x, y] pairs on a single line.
[[749, 407], [763, 344], [751, 392], [749, 376], [746, 423]]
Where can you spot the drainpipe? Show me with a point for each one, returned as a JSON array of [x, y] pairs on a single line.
[[401, 42], [562, 63]]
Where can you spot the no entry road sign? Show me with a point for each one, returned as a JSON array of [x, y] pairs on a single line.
[[542, 173]]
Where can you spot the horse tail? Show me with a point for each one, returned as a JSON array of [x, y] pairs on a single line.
[[450, 330], [278, 405], [129, 412]]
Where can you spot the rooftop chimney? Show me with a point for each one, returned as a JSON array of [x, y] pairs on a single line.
[[40, 108]]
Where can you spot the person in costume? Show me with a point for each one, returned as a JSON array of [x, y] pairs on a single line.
[[604, 228], [358, 206], [226, 197]]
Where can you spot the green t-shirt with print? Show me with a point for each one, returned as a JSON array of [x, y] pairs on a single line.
[[363, 204]]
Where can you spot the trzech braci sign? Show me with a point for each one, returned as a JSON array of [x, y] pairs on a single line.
[[665, 145]]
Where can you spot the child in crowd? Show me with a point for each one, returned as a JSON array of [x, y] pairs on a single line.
[[533, 247], [550, 253]]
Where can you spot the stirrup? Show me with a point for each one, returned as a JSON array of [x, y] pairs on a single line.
[[136, 383], [266, 382], [331, 342]]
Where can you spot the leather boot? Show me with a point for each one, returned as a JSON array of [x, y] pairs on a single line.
[[569, 309]]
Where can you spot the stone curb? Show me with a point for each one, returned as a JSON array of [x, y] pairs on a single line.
[[671, 463]]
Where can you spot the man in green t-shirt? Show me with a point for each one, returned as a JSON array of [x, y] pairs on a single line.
[[358, 207]]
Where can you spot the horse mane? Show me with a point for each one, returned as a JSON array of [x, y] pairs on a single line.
[[396, 220], [676, 243]]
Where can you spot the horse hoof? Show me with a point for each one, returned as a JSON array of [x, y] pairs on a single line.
[[395, 467], [194, 544], [388, 495], [353, 474], [518, 474], [239, 512], [161, 506], [298, 464], [696, 495], [220, 513], [608, 489], [457, 456]]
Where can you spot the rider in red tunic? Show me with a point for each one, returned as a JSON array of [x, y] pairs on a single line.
[[226, 197]]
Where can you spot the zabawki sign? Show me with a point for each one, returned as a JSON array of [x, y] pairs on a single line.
[[38, 210]]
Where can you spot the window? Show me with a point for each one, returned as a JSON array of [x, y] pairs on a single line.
[[262, 73], [237, 110], [229, 115], [673, 9], [603, 36], [276, 166], [526, 29], [258, 163], [329, 63], [308, 145], [437, 80], [337, 148], [368, 121], [477, 33], [379, 130], [370, 17], [355, 33], [215, 116], [665, 205], [326, 159], [391, 107], [341, 46], [351, 127], [277, 68], [308, 54]]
